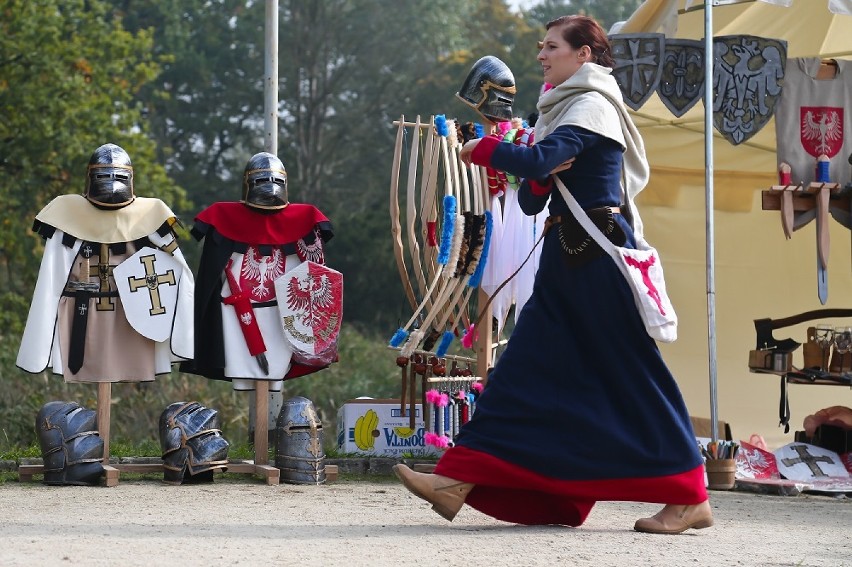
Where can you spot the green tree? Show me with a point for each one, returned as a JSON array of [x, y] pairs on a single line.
[[606, 12], [68, 75], [206, 106]]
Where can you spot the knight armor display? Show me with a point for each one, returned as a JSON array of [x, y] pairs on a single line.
[[489, 88], [109, 178], [298, 450], [71, 447], [265, 182], [193, 446]]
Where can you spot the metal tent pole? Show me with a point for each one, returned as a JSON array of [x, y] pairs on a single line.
[[270, 82], [709, 212]]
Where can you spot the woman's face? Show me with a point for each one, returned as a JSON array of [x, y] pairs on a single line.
[[559, 61]]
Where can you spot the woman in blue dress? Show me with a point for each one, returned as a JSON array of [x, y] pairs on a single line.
[[581, 406]]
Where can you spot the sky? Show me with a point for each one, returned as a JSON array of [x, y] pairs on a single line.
[[522, 4]]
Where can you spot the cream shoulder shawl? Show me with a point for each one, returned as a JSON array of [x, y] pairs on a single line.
[[592, 100]]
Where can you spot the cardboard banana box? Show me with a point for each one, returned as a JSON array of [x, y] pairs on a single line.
[[378, 427]]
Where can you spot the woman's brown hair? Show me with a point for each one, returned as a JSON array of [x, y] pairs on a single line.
[[582, 30]]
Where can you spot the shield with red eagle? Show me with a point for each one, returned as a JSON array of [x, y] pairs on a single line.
[[821, 129], [310, 305]]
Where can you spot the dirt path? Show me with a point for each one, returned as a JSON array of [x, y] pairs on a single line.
[[355, 523]]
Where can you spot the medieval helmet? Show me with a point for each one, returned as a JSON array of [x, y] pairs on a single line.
[[489, 89], [299, 452], [193, 446], [109, 178], [71, 447], [265, 182]]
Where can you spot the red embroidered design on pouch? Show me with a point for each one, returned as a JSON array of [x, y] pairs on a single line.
[[644, 268], [821, 129]]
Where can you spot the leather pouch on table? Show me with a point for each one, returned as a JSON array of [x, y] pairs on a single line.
[[760, 359], [811, 351]]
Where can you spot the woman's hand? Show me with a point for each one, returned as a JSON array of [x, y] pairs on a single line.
[[467, 150], [563, 166]]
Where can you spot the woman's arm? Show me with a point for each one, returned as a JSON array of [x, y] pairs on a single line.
[[532, 197], [534, 162]]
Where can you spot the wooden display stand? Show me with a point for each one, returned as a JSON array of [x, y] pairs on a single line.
[[259, 467], [803, 197]]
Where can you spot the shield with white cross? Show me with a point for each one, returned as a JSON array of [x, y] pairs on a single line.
[[638, 65], [147, 284]]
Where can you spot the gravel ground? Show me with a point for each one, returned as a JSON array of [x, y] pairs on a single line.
[[377, 522]]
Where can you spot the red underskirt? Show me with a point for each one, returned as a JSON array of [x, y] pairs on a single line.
[[514, 494]]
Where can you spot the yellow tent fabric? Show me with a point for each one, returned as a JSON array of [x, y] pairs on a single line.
[[758, 273], [676, 145]]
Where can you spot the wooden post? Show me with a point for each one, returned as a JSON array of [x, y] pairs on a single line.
[[260, 466], [104, 402], [104, 410], [261, 423], [483, 342]]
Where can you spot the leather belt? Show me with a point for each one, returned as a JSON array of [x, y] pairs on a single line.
[[82, 292], [577, 246], [555, 219]]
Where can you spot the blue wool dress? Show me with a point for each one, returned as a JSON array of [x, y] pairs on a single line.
[[581, 406]]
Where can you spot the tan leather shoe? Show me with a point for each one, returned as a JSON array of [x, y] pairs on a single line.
[[674, 519], [446, 495]]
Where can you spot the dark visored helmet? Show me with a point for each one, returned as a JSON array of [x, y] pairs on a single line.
[[193, 446], [109, 178], [71, 446], [265, 182], [489, 89]]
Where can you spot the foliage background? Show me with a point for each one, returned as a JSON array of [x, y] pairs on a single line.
[[180, 87]]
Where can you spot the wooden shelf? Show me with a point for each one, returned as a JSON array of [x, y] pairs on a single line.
[[796, 376], [803, 196]]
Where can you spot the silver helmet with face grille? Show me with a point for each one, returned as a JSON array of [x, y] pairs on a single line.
[[109, 178], [265, 182], [489, 88]]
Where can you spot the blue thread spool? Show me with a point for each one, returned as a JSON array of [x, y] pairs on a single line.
[[822, 169]]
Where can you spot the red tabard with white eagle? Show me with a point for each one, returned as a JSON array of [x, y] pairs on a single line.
[[814, 117], [238, 314]]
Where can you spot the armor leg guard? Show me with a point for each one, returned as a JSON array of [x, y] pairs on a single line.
[[71, 447], [193, 447]]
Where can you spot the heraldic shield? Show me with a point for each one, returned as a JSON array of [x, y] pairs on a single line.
[[147, 284], [748, 73], [682, 79], [310, 304], [638, 64]]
